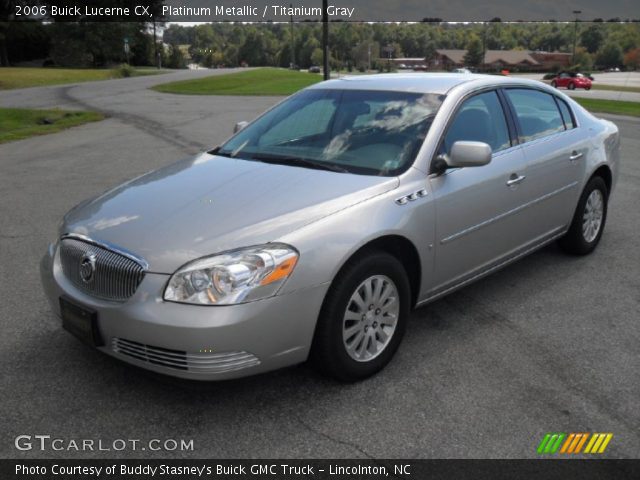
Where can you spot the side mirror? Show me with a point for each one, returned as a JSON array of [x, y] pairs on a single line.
[[463, 154], [239, 126], [469, 154]]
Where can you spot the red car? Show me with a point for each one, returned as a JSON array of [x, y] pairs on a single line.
[[571, 81]]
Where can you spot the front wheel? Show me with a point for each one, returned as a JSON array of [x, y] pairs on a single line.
[[363, 318], [572, 86], [588, 220], [554, 84]]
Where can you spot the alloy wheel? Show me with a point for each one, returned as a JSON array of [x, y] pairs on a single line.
[[592, 216], [370, 318]]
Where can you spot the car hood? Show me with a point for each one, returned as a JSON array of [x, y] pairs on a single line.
[[208, 204]]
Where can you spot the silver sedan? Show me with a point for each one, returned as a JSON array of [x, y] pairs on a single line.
[[315, 229]]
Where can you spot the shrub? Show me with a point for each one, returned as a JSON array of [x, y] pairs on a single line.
[[123, 71]]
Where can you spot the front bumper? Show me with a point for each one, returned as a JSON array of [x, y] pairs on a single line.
[[196, 342]]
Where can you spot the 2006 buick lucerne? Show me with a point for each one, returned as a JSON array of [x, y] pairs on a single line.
[[316, 228]]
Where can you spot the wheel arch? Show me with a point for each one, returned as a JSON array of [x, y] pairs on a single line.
[[399, 247], [604, 171]]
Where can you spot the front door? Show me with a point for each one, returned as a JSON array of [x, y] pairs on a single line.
[[479, 220]]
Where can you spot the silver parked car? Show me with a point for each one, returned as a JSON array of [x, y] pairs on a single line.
[[317, 228]]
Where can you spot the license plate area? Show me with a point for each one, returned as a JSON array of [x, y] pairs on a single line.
[[81, 322]]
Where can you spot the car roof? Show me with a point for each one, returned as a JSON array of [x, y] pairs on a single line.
[[438, 83]]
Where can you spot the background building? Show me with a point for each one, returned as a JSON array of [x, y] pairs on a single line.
[[494, 60]]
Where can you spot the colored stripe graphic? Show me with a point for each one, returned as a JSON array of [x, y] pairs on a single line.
[[572, 443], [567, 442], [556, 446], [598, 443], [543, 443], [551, 442], [581, 443], [590, 444], [604, 445]]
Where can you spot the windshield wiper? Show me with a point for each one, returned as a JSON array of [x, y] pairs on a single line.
[[298, 161], [220, 153]]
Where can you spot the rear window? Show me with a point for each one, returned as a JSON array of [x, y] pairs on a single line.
[[537, 113], [566, 114]]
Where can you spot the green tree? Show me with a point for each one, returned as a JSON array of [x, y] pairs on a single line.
[[142, 49], [429, 52], [473, 57], [364, 54], [76, 41], [176, 58], [316, 56], [632, 59], [309, 46], [592, 38], [583, 60], [609, 56], [230, 55], [253, 50]]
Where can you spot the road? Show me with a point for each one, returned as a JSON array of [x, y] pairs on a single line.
[[550, 344], [614, 79]]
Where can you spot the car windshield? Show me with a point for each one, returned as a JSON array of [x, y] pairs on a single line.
[[351, 131]]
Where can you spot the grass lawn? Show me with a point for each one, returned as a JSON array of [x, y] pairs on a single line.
[[18, 77], [19, 123], [615, 107], [261, 81]]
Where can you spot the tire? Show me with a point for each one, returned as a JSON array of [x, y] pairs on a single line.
[[587, 88], [571, 86], [353, 342], [584, 233], [554, 84]]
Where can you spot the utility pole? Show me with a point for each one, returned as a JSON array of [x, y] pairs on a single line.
[[575, 36], [293, 43], [484, 45], [325, 39], [155, 44], [126, 48]]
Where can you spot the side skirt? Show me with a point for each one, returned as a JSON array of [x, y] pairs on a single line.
[[486, 270]]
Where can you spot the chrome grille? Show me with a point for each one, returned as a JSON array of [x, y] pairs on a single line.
[[179, 360], [115, 276]]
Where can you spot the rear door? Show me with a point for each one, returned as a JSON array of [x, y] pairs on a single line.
[[478, 221], [555, 152]]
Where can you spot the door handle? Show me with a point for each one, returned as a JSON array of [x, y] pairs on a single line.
[[575, 156], [515, 180]]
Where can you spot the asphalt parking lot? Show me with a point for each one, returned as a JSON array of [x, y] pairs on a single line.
[[550, 344]]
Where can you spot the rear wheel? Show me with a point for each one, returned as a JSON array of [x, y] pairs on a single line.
[[588, 220], [363, 318]]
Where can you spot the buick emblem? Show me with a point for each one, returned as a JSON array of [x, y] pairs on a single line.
[[87, 267]]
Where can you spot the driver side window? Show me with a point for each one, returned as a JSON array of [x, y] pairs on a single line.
[[479, 119]]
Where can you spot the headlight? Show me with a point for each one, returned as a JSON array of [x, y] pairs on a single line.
[[233, 277]]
